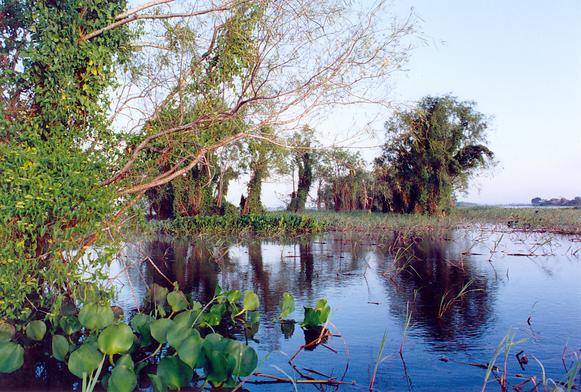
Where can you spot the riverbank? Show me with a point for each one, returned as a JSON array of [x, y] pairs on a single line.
[[557, 221]]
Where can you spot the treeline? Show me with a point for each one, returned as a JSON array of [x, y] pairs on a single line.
[[555, 202], [431, 151]]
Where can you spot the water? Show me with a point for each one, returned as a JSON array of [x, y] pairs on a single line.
[[374, 286]]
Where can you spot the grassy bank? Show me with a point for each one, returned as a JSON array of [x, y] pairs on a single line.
[[560, 221]]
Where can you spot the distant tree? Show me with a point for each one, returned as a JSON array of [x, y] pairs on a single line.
[[302, 159], [431, 152], [344, 182], [263, 157]]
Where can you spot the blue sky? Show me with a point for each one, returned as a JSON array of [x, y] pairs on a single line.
[[520, 60]]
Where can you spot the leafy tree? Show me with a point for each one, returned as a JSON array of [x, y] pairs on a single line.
[[303, 159], [55, 144], [264, 156], [344, 183], [431, 152]]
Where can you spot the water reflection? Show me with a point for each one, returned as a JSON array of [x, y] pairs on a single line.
[[422, 276]]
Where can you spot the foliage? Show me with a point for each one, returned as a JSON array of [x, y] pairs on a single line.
[[263, 157], [317, 316], [264, 224], [344, 182], [431, 152], [55, 145], [116, 352], [303, 159]]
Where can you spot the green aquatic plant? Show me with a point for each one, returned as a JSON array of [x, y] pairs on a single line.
[[317, 316], [176, 335]]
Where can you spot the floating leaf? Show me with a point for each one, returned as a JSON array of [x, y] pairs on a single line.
[[245, 356], [159, 294], [70, 324], [84, 360], [157, 382], [178, 333], [187, 318], [35, 330], [159, 329], [174, 372], [178, 301], [251, 301], [95, 317], [11, 357], [123, 379], [7, 332], [115, 339], [287, 305], [190, 350], [233, 296], [60, 347]]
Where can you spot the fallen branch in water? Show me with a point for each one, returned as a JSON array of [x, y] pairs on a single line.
[[276, 379]]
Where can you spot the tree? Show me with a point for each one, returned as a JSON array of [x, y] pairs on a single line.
[[431, 152], [262, 158], [100, 104], [302, 159], [344, 183]]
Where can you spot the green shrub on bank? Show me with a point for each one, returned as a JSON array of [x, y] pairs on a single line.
[[264, 224]]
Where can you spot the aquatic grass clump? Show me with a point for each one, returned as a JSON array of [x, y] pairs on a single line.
[[271, 224]]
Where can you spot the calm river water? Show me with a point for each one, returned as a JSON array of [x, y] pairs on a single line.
[[516, 286]]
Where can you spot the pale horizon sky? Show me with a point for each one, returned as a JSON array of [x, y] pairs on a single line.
[[520, 61]]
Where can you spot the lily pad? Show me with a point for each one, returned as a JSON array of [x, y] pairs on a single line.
[[70, 324], [174, 372], [35, 330], [159, 329], [115, 339], [287, 305], [190, 350], [11, 357], [95, 317], [178, 301], [251, 301], [7, 332], [84, 360], [60, 347], [123, 379]]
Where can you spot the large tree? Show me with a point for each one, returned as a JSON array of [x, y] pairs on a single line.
[[431, 152], [100, 104]]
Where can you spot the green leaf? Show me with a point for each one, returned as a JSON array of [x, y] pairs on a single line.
[[123, 379], [287, 305], [95, 317], [251, 301], [174, 372], [187, 318], [70, 324], [233, 296], [60, 347], [178, 333], [35, 330], [157, 382], [115, 339], [190, 350], [159, 294], [245, 356], [11, 357], [159, 329], [141, 324], [84, 360], [127, 361], [7, 332], [178, 301]]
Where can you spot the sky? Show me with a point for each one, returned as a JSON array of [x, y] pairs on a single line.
[[520, 61]]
